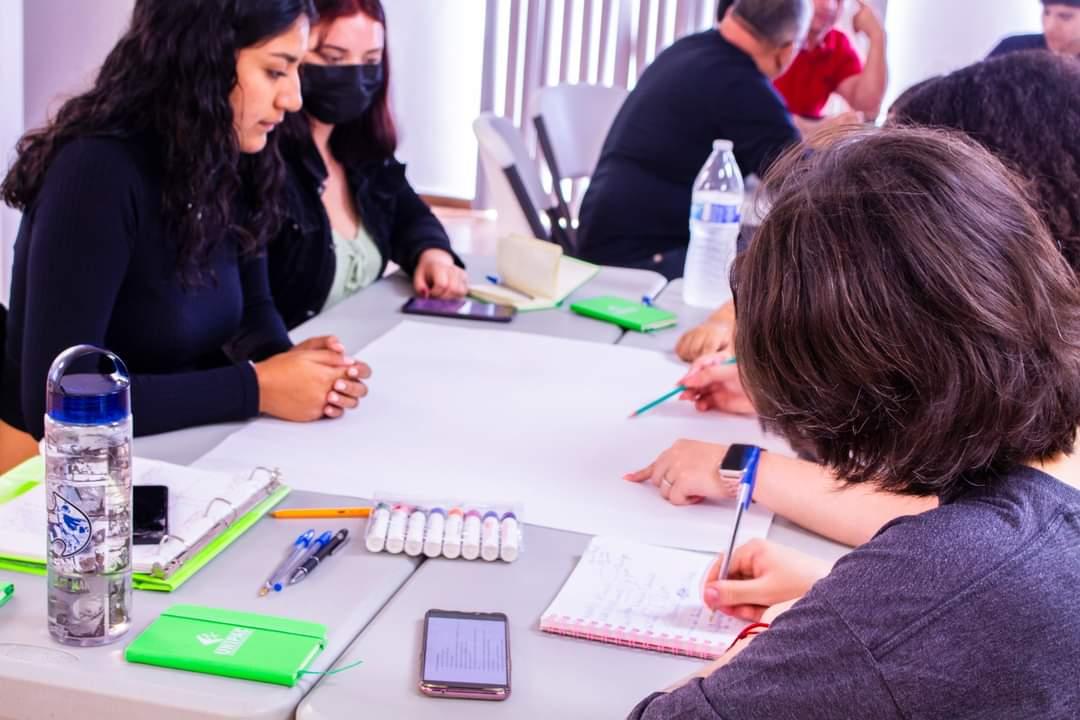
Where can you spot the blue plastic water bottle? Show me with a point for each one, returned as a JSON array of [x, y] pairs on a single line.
[[87, 449]]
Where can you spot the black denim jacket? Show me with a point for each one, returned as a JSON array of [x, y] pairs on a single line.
[[301, 257]]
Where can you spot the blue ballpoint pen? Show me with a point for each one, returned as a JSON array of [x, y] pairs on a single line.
[[312, 561], [746, 494], [316, 545], [299, 548]]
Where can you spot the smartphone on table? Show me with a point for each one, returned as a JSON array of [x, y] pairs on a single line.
[[151, 516], [465, 308], [465, 655]]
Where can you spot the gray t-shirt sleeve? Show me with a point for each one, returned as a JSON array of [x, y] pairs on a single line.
[[805, 666]]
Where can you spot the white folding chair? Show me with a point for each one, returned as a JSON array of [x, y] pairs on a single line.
[[572, 122], [521, 204]]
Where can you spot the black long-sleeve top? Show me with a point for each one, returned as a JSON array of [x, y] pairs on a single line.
[[94, 264]]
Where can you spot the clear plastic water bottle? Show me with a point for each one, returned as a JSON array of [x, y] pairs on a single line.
[[715, 214], [87, 449]]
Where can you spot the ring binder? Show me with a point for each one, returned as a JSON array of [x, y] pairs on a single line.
[[218, 498], [163, 570], [208, 511]]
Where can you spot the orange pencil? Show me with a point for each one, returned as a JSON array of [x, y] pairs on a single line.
[[307, 513]]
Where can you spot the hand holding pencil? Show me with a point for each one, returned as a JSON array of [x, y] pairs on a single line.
[[713, 383]]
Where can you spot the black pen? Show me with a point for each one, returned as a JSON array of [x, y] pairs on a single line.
[[309, 565]]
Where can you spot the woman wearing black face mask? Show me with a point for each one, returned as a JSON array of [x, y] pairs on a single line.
[[350, 209]]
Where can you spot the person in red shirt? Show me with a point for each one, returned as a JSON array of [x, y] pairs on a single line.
[[828, 63]]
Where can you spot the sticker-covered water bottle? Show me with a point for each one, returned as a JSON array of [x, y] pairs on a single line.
[[87, 448]]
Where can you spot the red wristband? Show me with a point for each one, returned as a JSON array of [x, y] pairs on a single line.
[[748, 631]]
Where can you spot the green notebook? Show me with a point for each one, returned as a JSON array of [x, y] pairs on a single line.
[[235, 644], [630, 315], [27, 477]]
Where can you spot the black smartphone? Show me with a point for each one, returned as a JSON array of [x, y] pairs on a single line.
[[465, 655], [466, 309], [151, 514]]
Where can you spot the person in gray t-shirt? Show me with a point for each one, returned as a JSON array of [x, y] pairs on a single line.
[[903, 312]]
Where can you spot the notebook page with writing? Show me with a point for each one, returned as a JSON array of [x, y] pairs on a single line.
[[641, 596]]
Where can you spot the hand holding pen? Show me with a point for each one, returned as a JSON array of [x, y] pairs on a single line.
[[761, 574], [742, 504]]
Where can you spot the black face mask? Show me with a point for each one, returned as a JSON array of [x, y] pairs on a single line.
[[337, 94]]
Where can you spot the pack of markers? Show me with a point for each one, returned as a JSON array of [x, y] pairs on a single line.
[[449, 529]]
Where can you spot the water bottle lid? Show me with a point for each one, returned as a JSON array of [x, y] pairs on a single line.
[[87, 398], [723, 145]]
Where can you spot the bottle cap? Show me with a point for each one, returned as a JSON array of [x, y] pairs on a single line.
[[723, 145], [87, 398]]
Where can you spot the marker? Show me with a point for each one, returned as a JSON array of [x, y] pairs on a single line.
[[414, 533], [433, 535], [395, 536], [377, 527], [455, 520], [308, 566], [494, 280], [470, 543], [746, 493], [509, 537], [299, 548], [6, 591], [489, 545], [645, 408], [311, 513]]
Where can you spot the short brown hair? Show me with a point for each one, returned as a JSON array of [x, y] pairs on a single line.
[[904, 312]]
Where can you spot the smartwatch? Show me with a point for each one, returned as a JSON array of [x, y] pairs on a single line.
[[737, 461]]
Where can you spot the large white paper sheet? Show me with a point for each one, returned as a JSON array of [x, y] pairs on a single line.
[[503, 416]]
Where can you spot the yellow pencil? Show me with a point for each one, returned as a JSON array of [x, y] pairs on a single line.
[[297, 513]]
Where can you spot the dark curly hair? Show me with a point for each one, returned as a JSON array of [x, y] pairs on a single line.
[[374, 135], [170, 76], [1025, 108], [904, 312]]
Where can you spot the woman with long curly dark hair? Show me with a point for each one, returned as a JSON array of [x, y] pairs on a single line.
[[1025, 108], [349, 208], [147, 202]]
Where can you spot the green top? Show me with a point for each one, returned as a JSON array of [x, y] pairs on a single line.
[[6, 591], [358, 264]]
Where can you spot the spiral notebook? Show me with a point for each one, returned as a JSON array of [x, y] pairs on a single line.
[[207, 512], [641, 596]]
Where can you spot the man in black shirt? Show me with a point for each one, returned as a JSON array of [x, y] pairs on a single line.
[[708, 86], [1061, 31]]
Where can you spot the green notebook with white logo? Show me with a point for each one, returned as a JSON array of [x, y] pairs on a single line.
[[630, 315], [230, 643]]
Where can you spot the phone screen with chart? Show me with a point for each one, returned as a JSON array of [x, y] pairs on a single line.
[[465, 649]]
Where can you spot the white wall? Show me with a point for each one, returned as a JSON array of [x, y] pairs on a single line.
[[932, 37], [49, 49], [437, 53], [11, 124], [65, 43]]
